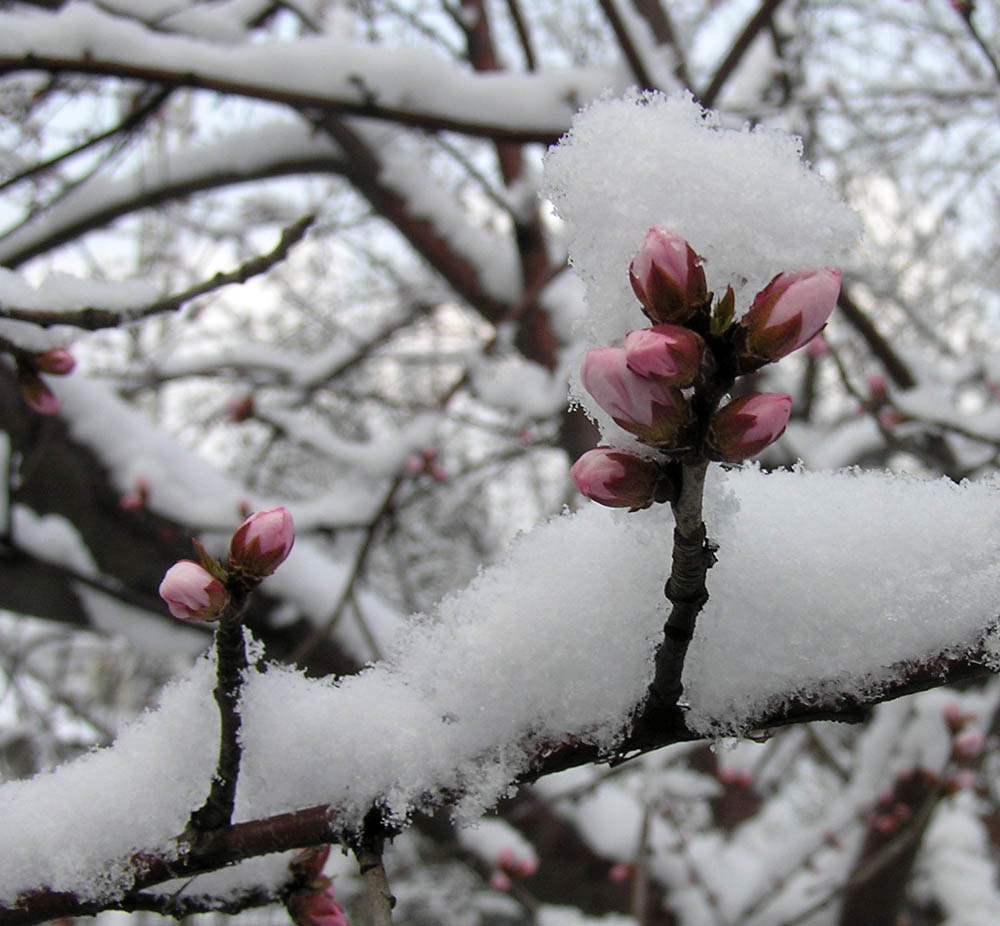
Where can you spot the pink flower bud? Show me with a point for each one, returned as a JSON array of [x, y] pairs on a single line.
[[620, 872], [818, 347], [877, 389], [616, 479], [317, 909], [650, 410], [968, 745], [790, 311], [667, 353], [59, 361], [191, 593], [747, 425], [262, 542], [241, 407], [36, 394], [414, 465], [667, 277], [500, 881]]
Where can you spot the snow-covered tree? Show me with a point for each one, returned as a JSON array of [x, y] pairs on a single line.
[[303, 258]]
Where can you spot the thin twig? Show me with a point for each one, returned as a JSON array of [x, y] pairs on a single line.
[[93, 318]]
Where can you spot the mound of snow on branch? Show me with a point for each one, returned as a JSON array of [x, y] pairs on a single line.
[[823, 581]]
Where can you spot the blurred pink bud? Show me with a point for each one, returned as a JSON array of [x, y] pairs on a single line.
[[191, 593], [818, 347], [667, 277], [747, 425], [650, 410], [262, 542], [507, 859], [500, 881], [429, 453], [877, 388], [954, 717], [527, 867], [414, 465], [59, 361], [790, 311], [968, 745], [735, 777], [135, 498], [317, 909], [620, 872], [963, 780], [439, 473], [616, 479], [241, 407], [667, 353], [890, 417], [36, 394]]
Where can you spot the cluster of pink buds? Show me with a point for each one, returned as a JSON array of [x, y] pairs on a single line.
[[199, 592], [56, 362], [426, 463], [663, 385], [510, 865]]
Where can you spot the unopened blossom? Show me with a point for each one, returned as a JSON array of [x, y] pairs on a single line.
[[649, 409], [262, 542], [59, 361], [192, 593], [747, 425], [317, 909], [616, 478], [668, 353], [667, 277], [36, 394], [789, 312]]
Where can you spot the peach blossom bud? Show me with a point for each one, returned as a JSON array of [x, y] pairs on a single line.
[[876, 387], [890, 417], [191, 593], [616, 479], [59, 361], [317, 909], [36, 394], [262, 542], [968, 745], [527, 867], [667, 277], [747, 425], [650, 410], [439, 473], [507, 859], [500, 881], [790, 311], [667, 353], [620, 872], [135, 498], [241, 407], [414, 465], [818, 347], [954, 717]]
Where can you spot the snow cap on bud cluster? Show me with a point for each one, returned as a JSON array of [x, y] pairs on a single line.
[[667, 353], [747, 425], [262, 542], [59, 361], [651, 410], [790, 311], [192, 593], [616, 478], [667, 277]]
